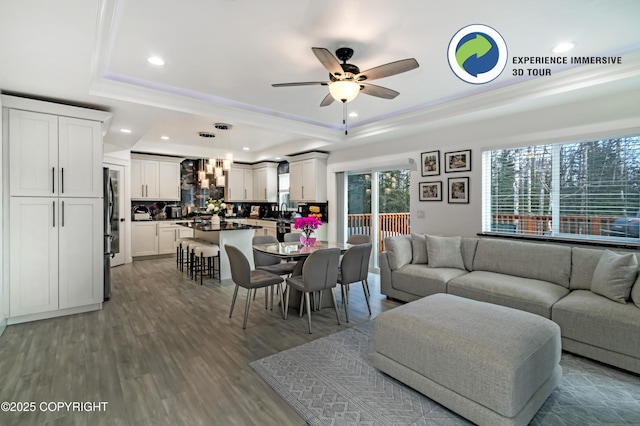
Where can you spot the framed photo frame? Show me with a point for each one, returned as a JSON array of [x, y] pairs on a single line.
[[457, 161], [430, 191], [430, 163], [459, 190]]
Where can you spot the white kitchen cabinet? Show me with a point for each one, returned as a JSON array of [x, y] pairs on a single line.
[[144, 238], [168, 233], [239, 184], [145, 179], [55, 220], [265, 182], [54, 156], [169, 181], [308, 178], [56, 254]]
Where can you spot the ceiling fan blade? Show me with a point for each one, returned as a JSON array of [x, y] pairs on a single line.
[[328, 100], [304, 83], [378, 91], [328, 60], [386, 70]]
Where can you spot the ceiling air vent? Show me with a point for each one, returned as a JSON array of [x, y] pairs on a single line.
[[207, 135]]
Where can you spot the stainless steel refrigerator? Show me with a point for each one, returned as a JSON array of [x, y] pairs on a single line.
[[107, 214]]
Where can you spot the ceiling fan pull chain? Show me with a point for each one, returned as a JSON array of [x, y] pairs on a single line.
[[344, 116]]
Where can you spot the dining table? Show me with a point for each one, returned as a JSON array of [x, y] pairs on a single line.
[[299, 252]]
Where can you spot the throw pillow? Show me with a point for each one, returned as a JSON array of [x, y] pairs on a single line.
[[614, 275], [444, 252], [419, 246]]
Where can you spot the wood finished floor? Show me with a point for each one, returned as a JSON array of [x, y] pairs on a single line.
[[162, 351]]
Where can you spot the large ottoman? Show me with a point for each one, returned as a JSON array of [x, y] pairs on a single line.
[[491, 364]]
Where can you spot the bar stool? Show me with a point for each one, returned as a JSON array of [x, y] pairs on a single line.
[[188, 245], [181, 248], [210, 252]]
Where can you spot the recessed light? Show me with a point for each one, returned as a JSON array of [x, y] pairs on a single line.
[[155, 60], [563, 47], [353, 114], [125, 130], [246, 148], [278, 158], [166, 138]]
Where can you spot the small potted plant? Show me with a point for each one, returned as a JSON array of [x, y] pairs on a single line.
[[307, 225]]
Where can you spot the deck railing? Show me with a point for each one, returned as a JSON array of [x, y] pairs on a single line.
[[533, 224], [389, 224]]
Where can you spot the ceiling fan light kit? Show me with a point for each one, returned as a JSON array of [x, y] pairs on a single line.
[[344, 91]]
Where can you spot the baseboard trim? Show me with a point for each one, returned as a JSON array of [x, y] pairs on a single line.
[[54, 314]]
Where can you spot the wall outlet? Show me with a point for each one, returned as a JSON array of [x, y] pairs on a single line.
[[420, 214]]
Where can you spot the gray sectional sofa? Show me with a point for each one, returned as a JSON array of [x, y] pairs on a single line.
[[592, 294]]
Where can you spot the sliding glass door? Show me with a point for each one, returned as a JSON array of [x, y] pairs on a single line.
[[378, 205]]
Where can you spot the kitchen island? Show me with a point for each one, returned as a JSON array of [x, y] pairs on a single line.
[[235, 234]]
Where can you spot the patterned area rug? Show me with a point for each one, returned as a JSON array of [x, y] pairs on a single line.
[[331, 381]]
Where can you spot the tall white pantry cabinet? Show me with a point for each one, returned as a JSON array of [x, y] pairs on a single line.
[[52, 180]]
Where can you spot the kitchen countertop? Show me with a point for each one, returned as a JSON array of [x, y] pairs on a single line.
[[224, 226]]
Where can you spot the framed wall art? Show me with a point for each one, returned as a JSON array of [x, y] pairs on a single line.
[[430, 163], [459, 190], [430, 191], [457, 161]]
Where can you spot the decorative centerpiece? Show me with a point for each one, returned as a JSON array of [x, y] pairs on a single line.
[[216, 208], [307, 225]]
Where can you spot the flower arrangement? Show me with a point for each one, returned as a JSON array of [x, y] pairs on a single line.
[[307, 225], [216, 206]]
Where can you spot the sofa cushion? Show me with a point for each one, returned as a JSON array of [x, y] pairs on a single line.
[[545, 262], [614, 275], [444, 252], [526, 294], [422, 280], [419, 248], [586, 317], [399, 251]]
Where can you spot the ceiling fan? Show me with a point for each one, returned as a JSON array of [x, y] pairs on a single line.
[[346, 80]]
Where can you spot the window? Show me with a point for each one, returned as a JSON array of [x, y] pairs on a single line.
[[587, 190]]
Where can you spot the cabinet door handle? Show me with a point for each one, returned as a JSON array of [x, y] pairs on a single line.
[[54, 214], [63, 213], [142, 190], [146, 187], [53, 180], [302, 191], [265, 193], [245, 193], [62, 182]]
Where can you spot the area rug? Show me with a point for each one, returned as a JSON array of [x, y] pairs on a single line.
[[331, 381]]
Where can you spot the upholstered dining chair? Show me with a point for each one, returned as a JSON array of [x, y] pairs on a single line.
[[292, 237], [243, 276], [354, 268], [359, 239], [270, 263], [320, 272]]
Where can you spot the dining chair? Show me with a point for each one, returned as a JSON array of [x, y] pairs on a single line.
[[292, 237], [359, 239], [320, 272], [243, 276], [354, 268], [270, 263]]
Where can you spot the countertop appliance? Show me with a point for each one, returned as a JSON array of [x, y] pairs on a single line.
[[141, 213], [107, 214], [173, 212]]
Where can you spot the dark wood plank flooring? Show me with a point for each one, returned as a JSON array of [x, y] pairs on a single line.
[[162, 351]]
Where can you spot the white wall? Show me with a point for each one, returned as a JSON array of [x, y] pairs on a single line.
[[613, 114]]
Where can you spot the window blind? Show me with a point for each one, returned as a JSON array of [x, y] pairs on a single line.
[[580, 190]]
